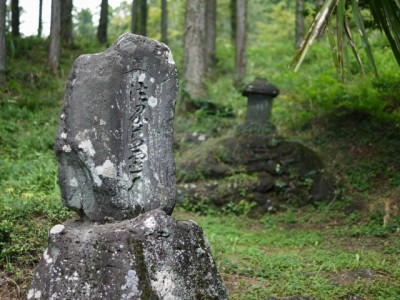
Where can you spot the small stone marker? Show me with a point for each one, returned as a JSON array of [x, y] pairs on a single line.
[[260, 94], [115, 137]]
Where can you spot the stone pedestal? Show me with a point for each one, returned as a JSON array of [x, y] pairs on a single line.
[[150, 257]]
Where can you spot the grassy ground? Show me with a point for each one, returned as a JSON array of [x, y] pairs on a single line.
[[329, 251], [315, 252]]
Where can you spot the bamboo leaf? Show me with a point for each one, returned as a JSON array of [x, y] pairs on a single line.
[[354, 48], [340, 15], [332, 44], [380, 18], [392, 20], [316, 28], [397, 3], [361, 29]]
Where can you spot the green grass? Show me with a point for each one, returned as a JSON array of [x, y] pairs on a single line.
[[274, 257]]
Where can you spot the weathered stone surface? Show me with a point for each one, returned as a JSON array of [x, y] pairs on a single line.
[[115, 137], [150, 257], [264, 169]]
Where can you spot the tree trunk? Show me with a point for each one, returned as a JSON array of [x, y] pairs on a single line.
[[232, 6], [66, 22], [240, 42], [211, 23], [143, 17], [54, 52], [102, 29], [135, 17], [194, 69], [40, 26], [299, 31], [2, 42], [164, 21], [15, 18]]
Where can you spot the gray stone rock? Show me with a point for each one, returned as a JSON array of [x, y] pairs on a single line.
[[150, 257], [115, 136]]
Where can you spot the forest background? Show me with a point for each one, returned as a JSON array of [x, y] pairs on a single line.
[[329, 250]]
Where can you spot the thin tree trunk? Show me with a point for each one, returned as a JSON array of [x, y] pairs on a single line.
[[232, 7], [211, 23], [54, 52], [135, 17], [102, 29], [299, 31], [66, 21], [40, 26], [164, 21], [15, 18], [2, 42], [240, 42], [194, 69], [143, 17]]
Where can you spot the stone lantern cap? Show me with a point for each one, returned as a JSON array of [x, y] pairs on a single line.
[[261, 86]]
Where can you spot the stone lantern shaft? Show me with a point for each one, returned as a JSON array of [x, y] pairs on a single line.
[[260, 94]]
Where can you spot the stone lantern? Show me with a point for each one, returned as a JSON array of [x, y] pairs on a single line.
[[260, 94]]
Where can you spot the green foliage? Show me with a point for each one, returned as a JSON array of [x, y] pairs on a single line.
[[373, 227], [30, 199], [242, 208], [84, 30]]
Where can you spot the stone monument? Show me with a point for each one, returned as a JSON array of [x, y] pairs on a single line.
[[115, 138], [117, 170], [260, 94]]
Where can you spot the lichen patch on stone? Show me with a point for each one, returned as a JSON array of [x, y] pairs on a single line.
[[131, 286], [150, 223], [57, 229], [142, 77], [107, 169], [87, 147], [67, 148], [73, 182], [47, 257], [164, 285], [170, 58], [153, 101]]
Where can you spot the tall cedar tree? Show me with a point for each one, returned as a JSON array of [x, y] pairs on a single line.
[[135, 17], [15, 18], [211, 23], [194, 65], [164, 21], [102, 29], [2, 42], [54, 51], [143, 17], [232, 7], [240, 42], [139, 17], [40, 25], [66, 22]]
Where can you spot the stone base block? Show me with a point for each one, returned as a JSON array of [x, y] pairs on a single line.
[[150, 257]]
